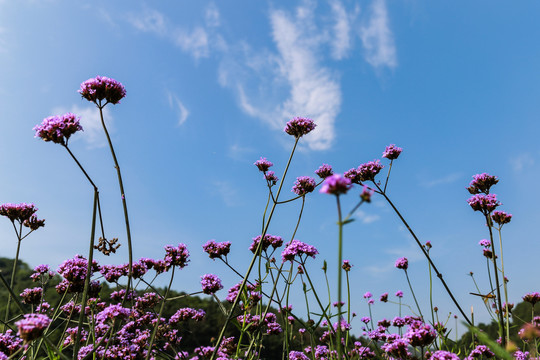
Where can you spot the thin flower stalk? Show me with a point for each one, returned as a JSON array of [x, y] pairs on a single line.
[[507, 312]]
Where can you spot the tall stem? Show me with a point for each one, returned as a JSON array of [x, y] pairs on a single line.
[[439, 275], [414, 296], [499, 303], [13, 272], [506, 312], [124, 204], [340, 260]]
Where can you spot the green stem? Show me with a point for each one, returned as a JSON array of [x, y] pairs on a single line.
[[506, 313], [414, 296], [13, 272], [340, 274], [499, 302], [124, 204]]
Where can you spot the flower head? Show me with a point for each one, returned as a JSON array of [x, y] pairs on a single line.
[[274, 240], [399, 293], [176, 256], [484, 203], [298, 127], [102, 88], [481, 183], [501, 217], [298, 248], [20, 212], [392, 152], [532, 298], [384, 297], [335, 185], [402, 263], [369, 170], [262, 164], [271, 177], [303, 185], [346, 265], [217, 250], [58, 129], [32, 326], [443, 355], [324, 171], [484, 243], [210, 284]]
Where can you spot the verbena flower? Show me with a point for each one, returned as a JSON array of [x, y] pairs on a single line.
[[262, 164], [176, 256], [298, 127], [74, 272], [368, 295], [271, 177], [335, 185], [366, 194], [384, 297], [485, 243], [34, 223], [185, 314], [484, 203], [32, 296], [369, 170], [303, 185], [481, 183], [273, 240], [420, 334], [402, 263], [20, 212], [353, 175], [324, 171], [532, 298], [443, 355], [481, 351], [399, 293], [346, 265], [58, 129], [501, 217], [210, 284], [41, 271], [217, 250], [32, 326], [392, 152], [102, 88], [298, 248]]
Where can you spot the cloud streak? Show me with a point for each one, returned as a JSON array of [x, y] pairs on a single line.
[[93, 133], [179, 107], [378, 39]]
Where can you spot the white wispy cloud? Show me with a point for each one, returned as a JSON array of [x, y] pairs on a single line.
[[149, 20], [341, 41], [92, 133], [178, 106], [366, 218], [212, 15], [521, 161], [377, 38], [226, 191], [447, 179]]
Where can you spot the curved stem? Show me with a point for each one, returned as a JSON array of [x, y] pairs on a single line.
[[439, 275], [499, 303], [340, 274], [13, 272], [414, 296], [506, 312], [124, 204]]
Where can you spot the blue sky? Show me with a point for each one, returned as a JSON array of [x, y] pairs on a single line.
[[209, 88]]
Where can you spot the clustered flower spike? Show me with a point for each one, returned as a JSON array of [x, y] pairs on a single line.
[[210, 284], [263, 165], [32, 326], [298, 127], [481, 183], [335, 185], [298, 248], [271, 177], [392, 152], [402, 263], [102, 88], [501, 217], [20, 212], [532, 298], [324, 171], [217, 250], [176, 256], [58, 129], [303, 185], [274, 240], [484, 203], [369, 170]]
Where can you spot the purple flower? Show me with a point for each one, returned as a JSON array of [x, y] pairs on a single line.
[[58, 129], [420, 334], [303, 185], [369, 170], [34, 223], [112, 312], [368, 295], [324, 171], [297, 355], [392, 152], [176, 256], [217, 250], [102, 88], [399, 293], [481, 351], [187, 314], [346, 265], [112, 273], [298, 127], [484, 203], [20, 212], [501, 217], [481, 183], [298, 248], [74, 272], [397, 348], [353, 175], [32, 326], [274, 240], [262, 164], [484, 243], [384, 297], [9, 344], [41, 271], [335, 185], [210, 284], [402, 263], [398, 322], [271, 177], [365, 320], [32, 296], [443, 355], [532, 298]]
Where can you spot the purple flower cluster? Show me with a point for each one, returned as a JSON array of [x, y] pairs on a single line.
[[42, 272], [297, 355], [392, 152], [397, 348], [532, 298], [335, 185], [210, 284], [402, 263], [324, 171], [420, 334], [112, 273], [102, 88], [58, 129], [271, 177], [346, 265], [298, 248], [185, 314], [443, 355], [176, 256], [74, 272], [501, 217], [298, 127], [484, 203], [274, 240], [481, 351], [484, 243], [303, 185], [32, 296], [217, 250], [32, 326], [20, 212], [369, 170], [254, 296], [263, 165], [481, 183], [269, 324]]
